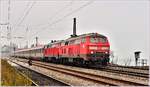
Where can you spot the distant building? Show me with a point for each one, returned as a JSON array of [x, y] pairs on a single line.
[[7, 50]]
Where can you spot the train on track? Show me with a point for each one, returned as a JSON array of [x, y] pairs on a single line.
[[91, 48]]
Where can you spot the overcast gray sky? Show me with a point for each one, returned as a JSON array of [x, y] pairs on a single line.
[[124, 22]]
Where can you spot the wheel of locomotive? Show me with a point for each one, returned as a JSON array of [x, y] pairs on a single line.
[[86, 63], [78, 61], [43, 59], [105, 61], [53, 59], [63, 60]]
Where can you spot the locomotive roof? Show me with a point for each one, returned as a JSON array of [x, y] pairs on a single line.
[[58, 41], [79, 36], [84, 35]]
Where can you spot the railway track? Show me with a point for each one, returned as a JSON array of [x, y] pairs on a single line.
[[133, 67], [85, 75], [138, 72], [91, 77], [127, 70]]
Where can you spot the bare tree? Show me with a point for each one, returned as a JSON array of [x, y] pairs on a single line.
[[112, 56], [127, 61], [116, 60]]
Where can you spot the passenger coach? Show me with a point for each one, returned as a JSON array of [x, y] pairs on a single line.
[[33, 53]]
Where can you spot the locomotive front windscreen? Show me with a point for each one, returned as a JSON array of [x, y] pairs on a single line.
[[96, 39]]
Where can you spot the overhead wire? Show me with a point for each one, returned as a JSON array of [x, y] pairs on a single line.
[[25, 10], [57, 21], [27, 13], [22, 18], [59, 11], [55, 14]]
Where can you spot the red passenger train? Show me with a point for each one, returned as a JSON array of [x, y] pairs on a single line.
[[91, 48]]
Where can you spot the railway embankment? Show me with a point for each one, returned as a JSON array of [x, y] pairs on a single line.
[[11, 77], [38, 78], [35, 78]]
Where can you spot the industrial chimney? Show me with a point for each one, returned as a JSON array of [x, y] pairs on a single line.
[[36, 41], [74, 28]]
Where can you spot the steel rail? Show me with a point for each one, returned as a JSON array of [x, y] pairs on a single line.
[[48, 66], [114, 69], [88, 76], [132, 67], [124, 71]]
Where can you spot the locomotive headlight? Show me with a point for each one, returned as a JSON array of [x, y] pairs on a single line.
[[92, 52], [105, 48], [106, 52], [93, 48]]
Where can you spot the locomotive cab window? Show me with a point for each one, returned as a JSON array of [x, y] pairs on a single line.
[[103, 39], [94, 39]]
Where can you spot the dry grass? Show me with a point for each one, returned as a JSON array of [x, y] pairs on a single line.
[[10, 77]]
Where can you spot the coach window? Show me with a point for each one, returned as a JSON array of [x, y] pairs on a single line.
[[77, 41], [62, 44], [59, 44], [39, 50], [50, 45], [47, 46], [66, 43], [71, 42], [83, 40], [53, 45]]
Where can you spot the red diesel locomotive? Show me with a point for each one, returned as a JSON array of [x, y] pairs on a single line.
[[91, 48], [82, 49]]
